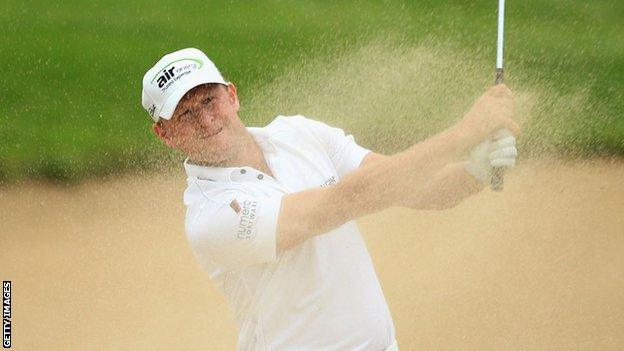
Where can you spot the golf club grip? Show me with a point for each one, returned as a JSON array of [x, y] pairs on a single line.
[[498, 173], [498, 177], [500, 73]]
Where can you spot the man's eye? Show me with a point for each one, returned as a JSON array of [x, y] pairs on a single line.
[[185, 114]]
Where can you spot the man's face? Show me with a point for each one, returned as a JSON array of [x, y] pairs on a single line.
[[205, 124]]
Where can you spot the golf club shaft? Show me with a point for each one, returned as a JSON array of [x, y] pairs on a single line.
[[498, 173]]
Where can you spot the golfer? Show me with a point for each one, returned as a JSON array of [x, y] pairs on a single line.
[[270, 211]]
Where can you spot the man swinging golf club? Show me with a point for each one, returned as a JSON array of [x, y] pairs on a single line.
[[271, 210]]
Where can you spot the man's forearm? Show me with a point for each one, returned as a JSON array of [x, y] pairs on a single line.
[[448, 188]]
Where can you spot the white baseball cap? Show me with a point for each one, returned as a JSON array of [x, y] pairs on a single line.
[[174, 75]]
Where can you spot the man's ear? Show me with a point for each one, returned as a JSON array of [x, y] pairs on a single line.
[[233, 95], [162, 134]]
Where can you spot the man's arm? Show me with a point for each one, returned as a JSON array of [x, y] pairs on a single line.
[[400, 179]]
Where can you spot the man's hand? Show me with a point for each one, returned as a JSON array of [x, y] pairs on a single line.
[[499, 152], [491, 112]]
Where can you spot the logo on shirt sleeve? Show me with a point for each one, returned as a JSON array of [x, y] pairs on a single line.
[[247, 215]]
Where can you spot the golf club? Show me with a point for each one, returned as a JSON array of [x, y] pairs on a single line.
[[498, 173]]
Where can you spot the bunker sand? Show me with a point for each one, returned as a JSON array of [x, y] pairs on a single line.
[[105, 265]]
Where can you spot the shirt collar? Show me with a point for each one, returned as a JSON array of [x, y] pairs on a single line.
[[221, 174], [224, 174]]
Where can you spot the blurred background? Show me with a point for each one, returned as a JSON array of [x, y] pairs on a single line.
[[91, 203], [70, 92]]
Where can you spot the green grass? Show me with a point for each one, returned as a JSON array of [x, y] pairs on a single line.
[[71, 80]]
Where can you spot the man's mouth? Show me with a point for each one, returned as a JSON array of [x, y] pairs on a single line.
[[213, 134]]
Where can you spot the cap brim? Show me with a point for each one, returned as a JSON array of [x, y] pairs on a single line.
[[172, 102]]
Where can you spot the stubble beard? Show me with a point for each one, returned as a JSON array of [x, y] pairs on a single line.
[[225, 153]]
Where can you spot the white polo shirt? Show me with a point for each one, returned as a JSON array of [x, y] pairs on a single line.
[[321, 295]]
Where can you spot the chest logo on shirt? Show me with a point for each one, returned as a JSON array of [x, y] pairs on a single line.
[[247, 217], [235, 206]]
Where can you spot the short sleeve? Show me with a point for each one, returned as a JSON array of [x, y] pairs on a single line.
[[236, 231], [345, 153]]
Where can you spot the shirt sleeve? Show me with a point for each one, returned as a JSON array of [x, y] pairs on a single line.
[[234, 230], [345, 153]]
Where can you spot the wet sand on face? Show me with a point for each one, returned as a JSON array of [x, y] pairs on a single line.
[[105, 266]]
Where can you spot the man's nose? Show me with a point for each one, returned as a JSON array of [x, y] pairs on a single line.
[[205, 117]]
